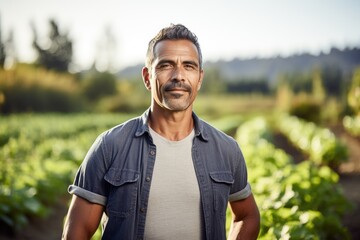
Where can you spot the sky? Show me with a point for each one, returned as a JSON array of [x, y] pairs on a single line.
[[226, 29]]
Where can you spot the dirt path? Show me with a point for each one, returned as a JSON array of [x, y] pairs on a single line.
[[350, 179]]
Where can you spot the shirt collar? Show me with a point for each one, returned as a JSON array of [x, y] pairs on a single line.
[[143, 126]]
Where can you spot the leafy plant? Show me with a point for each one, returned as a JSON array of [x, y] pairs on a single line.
[[39, 155], [296, 201], [320, 143]]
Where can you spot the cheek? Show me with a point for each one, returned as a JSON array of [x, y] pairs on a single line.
[[157, 88], [198, 86]]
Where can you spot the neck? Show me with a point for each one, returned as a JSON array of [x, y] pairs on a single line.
[[173, 125]]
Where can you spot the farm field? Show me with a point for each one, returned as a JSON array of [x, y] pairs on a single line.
[[39, 154]]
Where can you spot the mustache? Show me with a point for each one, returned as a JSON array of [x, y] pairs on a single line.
[[177, 85]]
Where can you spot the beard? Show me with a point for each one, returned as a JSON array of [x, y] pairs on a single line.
[[176, 95]]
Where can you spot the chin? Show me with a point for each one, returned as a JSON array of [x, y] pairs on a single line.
[[176, 108]]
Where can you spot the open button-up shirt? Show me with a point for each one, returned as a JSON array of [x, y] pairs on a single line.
[[118, 168]]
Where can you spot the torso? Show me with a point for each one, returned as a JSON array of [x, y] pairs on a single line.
[[174, 207]]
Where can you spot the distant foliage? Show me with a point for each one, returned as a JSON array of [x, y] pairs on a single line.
[[332, 77], [297, 81], [306, 109], [248, 86], [344, 60], [98, 85], [29, 89], [58, 55], [318, 91], [213, 82], [354, 93], [2, 52], [284, 96]]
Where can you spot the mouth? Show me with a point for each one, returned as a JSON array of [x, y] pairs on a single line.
[[176, 90], [177, 87]]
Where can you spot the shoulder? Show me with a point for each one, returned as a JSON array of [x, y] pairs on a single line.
[[118, 139], [219, 146], [212, 133], [127, 126], [123, 132]]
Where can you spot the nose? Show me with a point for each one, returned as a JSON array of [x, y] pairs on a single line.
[[178, 74]]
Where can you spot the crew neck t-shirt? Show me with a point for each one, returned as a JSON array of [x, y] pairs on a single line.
[[174, 208]]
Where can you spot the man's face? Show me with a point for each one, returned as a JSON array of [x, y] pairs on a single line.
[[175, 76]]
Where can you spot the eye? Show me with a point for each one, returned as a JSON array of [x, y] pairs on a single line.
[[164, 66], [190, 67]]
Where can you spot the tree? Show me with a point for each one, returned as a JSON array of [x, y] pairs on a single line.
[[318, 90], [2, 51], [284, 95], [58, 55], [213, 80], [98, 85], [354, 93], [332, 79]]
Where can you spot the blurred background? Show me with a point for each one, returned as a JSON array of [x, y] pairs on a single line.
[[71, 69]]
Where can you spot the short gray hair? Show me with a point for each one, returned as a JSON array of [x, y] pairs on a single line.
[[173, 32]]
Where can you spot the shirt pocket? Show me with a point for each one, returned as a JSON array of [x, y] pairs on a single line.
[[221, 184], [122, 198]]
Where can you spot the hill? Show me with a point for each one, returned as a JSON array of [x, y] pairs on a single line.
[[269, 68]]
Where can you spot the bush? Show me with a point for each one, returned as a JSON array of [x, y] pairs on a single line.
[[30, 89], [98, 85], [306, 109]]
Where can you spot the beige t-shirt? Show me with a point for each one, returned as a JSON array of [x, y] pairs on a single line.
[[174, 209]]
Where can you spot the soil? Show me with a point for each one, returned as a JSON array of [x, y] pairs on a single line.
[[349, 172]]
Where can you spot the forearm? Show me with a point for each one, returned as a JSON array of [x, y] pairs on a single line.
[[82, 220], [75, 233], [247, 228], [245, 222]]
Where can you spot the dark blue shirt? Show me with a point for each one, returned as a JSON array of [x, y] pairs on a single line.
[[118, 168]]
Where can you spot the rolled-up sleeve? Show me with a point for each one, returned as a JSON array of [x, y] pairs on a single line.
[[89, 180], [241, 188], [242, 194]]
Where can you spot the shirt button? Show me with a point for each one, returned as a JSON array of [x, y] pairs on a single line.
[[142, 210], [152, 152], [148, 179]]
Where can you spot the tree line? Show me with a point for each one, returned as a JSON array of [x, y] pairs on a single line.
[[57, 56], [47, 85]]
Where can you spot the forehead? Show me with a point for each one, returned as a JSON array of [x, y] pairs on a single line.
[[175, 48]]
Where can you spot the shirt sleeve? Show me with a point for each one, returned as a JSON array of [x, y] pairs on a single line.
[[242, 194], [89, 180], [241, 188]]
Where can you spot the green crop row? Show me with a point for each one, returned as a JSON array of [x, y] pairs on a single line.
[[352, 125], [319, 143], [39, 155], [300, 201]]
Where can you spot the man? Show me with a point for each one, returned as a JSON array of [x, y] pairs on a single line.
[[166, 174]]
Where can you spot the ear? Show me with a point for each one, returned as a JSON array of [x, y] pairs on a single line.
[[146, 77], [200, 79]]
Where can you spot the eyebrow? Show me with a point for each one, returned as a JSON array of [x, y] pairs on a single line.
[[173, 62], [191, 63], [165, 61]]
